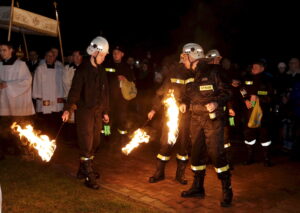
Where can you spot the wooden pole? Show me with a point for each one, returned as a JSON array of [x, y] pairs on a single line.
[[10, 19], [24, 38], [59, 35]]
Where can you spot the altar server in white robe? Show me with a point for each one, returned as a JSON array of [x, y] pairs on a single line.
[[15, 95], [49, 94]]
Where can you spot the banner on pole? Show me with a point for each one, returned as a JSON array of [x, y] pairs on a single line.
[[28, 22]]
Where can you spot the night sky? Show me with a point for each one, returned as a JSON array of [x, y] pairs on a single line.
[[241, 30]]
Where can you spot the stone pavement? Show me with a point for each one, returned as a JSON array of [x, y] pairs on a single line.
[[256, 188]]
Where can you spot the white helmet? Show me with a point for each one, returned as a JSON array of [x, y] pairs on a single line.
[[99, 44], [193, 50], [213, 54]]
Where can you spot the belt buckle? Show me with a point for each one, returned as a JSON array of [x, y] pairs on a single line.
[[46, 103]]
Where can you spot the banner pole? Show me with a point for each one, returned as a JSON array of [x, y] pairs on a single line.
[[10, 19], [59, 34]]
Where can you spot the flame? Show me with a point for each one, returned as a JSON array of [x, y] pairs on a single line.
[[173, 117], [41, 143], [139, 136]]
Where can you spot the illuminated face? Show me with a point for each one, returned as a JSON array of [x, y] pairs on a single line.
[[33, 56], [117, 55], [257, 68], [5, 52], [50, 59], [77, 58], [55, 52], [100, 56]]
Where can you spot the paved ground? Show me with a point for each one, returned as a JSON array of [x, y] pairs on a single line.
[[256, 188]]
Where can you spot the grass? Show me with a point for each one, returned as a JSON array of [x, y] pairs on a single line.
[[35, 187]]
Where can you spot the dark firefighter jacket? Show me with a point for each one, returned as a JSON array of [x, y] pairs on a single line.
[[176, 80], [207, 87], [89, 88], [113, 70], [259, 85]]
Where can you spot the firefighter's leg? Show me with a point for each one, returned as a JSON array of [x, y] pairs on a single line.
[[198, 160], [122, 121], [250, 140], [162, 158], [265, 142], [214, 135], [183, 140], [227, 145], [85, 130]]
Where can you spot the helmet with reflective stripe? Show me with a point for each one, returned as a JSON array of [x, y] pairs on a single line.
[[98, 44], [194, 50], [212, 54]]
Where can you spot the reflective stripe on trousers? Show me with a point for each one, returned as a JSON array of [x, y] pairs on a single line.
[[268, 143], [183, 158], [163, 158], [250, 142], [222, 169], [198, 168]]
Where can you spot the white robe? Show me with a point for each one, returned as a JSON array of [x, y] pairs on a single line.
[[48, 86], [68, 75], [15, 99]]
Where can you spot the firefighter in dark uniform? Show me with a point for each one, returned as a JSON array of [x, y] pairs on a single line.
[[257, 85], [118, 70], [89, 97], [176, 81], [233, 108], [207, 94]]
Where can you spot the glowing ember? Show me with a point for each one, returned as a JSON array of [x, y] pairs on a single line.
[[41, 143], [139, 136], [173, 117]]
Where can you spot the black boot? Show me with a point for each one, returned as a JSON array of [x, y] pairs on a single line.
[[90, 179], [267, 161], [159, 173], [81, 174], [250, 155], [180, 177], [197, 189], [96, 173], [226, 188]]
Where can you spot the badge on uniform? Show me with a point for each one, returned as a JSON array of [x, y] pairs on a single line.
[[206, 87]]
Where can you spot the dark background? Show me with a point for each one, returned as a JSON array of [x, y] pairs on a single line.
[[242, 30]]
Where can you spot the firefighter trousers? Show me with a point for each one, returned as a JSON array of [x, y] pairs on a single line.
[[89, 125], [208, 141], [183, 140]]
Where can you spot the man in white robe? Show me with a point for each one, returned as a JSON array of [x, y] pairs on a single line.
[[15, 93], [49, 94]]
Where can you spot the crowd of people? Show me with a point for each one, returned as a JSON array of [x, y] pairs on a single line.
[[217, 101]]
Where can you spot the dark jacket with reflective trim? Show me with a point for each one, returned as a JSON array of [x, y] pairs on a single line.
[[259, 85], [176, 80], [113, 70], [208, 87], [89, 88]]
